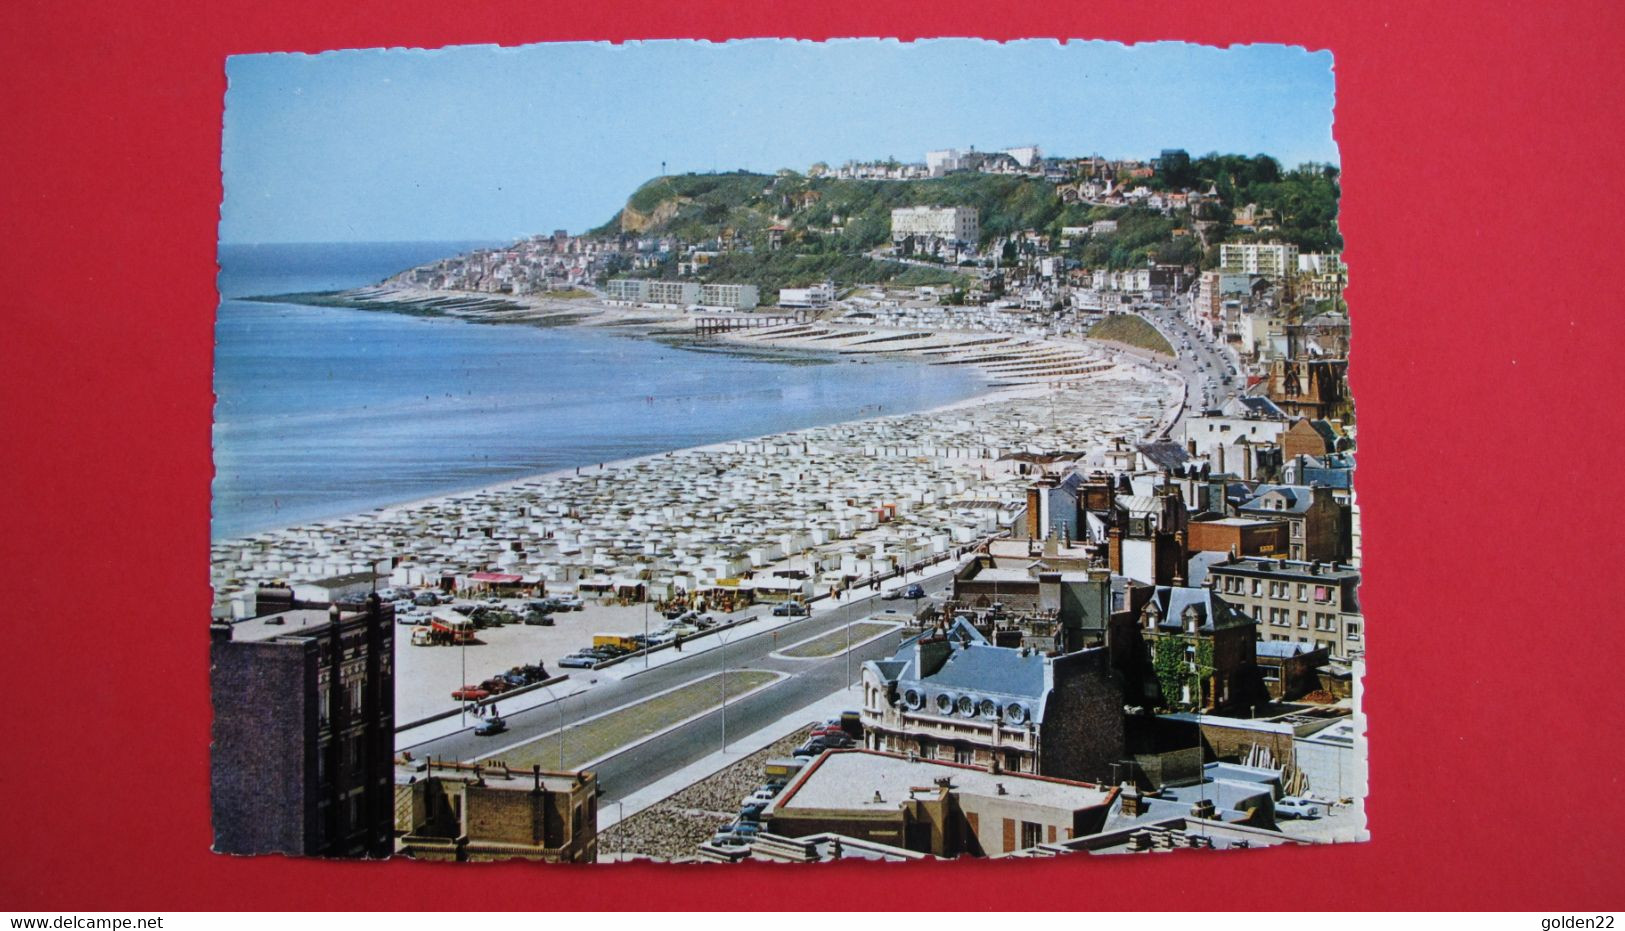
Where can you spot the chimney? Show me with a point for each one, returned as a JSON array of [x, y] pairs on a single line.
[[1133, 802], [1114, 550], [1204, 808]]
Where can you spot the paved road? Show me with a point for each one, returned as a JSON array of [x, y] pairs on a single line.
[[630, 770], [1203, 365]]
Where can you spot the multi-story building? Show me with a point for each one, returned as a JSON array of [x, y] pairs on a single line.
[[1317, 524], [1302, 602], [814, 297], [953, 224], [1322, 276], [949, 695], [681, 293], [1273, 260], [1202, 648], [737, 296], [304, 730], [485, 811]]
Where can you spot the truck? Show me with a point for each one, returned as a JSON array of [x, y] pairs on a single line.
[[782, 770], [618, 641]]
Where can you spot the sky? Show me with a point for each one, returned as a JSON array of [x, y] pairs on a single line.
[[489, 143]]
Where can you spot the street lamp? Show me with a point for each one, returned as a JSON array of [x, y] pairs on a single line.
[[560, 704], [723, 639]]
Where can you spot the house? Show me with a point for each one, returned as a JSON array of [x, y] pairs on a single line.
[[950, 695], [1202, 649], [1289, 667]]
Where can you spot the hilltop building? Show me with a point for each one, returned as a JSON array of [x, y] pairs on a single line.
[[952, 224]]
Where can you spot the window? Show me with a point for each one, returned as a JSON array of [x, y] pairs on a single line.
[[1303, 592], [964, 755], [1031, 834], [1303, 620]]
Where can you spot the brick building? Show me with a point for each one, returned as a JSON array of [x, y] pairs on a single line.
[[1243, 536], [1318, 525], [485, 811], [304, 730]]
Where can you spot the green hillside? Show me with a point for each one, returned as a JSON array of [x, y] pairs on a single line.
[[830, 226], [1130, 329]]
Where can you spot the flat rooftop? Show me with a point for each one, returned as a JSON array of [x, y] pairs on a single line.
[[293, 623], [850, 779], [991, 574], [494, 777]]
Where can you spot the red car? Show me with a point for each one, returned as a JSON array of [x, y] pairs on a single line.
[[470, 693]]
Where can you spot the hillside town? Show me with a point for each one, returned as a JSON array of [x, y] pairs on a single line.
[[1110, 605]]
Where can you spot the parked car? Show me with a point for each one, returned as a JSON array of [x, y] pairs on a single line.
[[729, 839], [470, 693], [914, 591], [752, 812], [790, 609], [759, 797], [892, 595], [490, 726], [569, 602], [577, 661], [538, 619], [1292, 806]]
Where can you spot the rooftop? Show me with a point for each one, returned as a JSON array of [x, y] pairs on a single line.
[[853, 779], [299, 622], [1291, 568]]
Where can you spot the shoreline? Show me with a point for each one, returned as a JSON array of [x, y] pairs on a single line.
[[652, 322]]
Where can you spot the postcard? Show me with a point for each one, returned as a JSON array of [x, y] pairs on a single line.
[[783, 451]]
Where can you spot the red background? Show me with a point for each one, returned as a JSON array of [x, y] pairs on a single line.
[[1481, 198]]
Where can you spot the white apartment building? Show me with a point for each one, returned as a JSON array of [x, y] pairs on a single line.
[[957, 224], [819, 295], [1267, 259]]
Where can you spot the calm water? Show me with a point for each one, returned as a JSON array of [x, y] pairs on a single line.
[[324, 411]]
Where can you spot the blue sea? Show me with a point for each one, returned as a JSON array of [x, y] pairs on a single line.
[[326, 411]]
